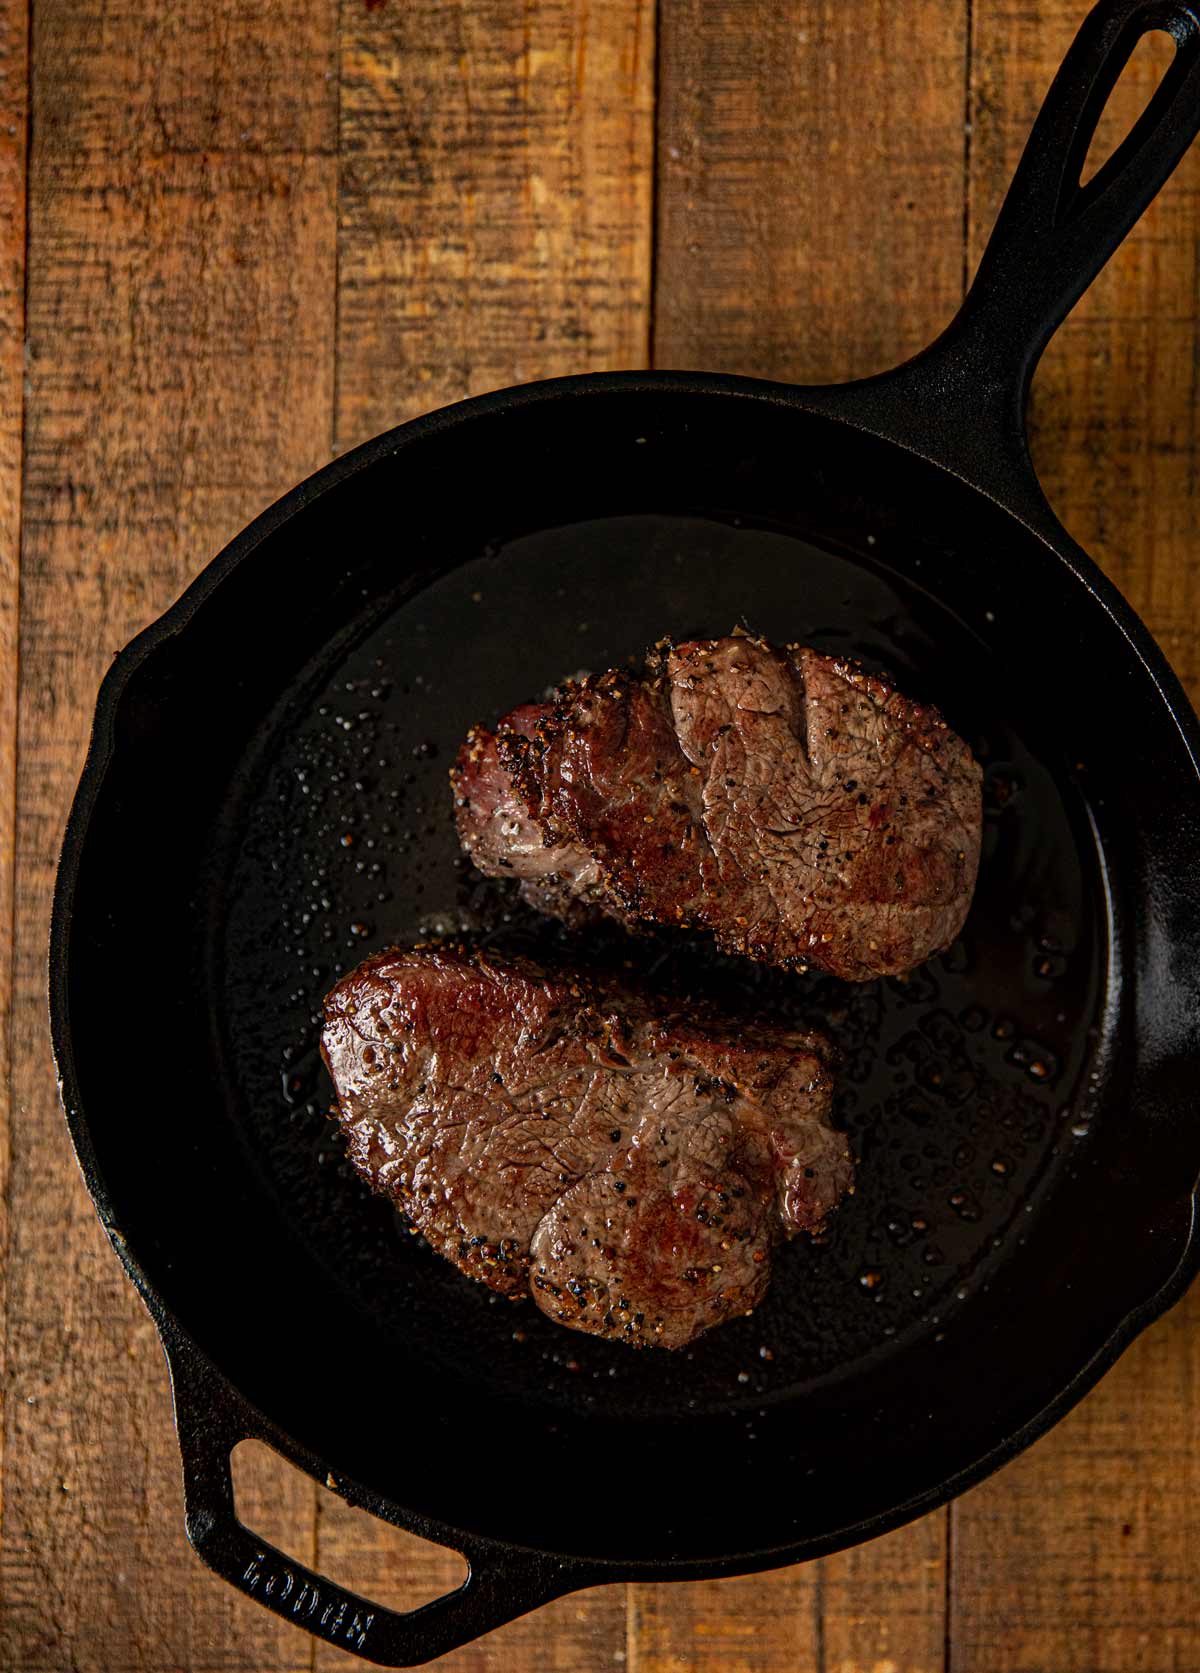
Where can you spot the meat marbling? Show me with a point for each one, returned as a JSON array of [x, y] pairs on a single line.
[[801, 810], [631, 1166]]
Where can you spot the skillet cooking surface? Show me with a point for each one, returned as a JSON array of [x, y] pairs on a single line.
[[960, 1085], [201, 944]]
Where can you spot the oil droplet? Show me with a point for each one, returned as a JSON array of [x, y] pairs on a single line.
[[870, 1280]]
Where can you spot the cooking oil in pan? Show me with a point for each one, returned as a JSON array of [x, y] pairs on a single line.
[[961, 1085]]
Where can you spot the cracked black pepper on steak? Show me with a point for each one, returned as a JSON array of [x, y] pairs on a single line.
[[630, 1166], [802, 811]]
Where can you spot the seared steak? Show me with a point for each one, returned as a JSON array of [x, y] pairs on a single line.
[[631, 1166], [802, 811]]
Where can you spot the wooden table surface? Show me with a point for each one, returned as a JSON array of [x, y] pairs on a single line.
[[237, 237]]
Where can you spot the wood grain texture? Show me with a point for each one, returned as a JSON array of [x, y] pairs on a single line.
[[750, 1624], [883, 1604], [1084, 1555], [495, 198], [810, 225], [223, 284], [810, 196], [494, 226], [876, 1609], [180, 354], [14, 82]]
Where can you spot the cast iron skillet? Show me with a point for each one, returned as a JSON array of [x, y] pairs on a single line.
[[265, 801]]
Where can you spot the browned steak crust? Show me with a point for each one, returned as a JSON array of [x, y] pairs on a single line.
[[630, 1166], [802, 811]]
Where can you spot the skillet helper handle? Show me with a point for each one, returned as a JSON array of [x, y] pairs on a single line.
[[211, 1420], [961, 402]]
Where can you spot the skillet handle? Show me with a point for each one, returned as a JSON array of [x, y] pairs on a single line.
[[1053, 235], [962, 401], [211, 1418]]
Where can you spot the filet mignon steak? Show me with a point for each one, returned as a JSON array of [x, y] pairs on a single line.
[[801, 810], [630, 1166]]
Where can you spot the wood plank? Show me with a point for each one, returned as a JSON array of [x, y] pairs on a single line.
[[494, 226], [810, 192], [1085, 1553], [757, 1623], [495, 198], [883, 1604], [180, 320], [1083, 1556], [798, 239], [13, 134], [875, 1609]]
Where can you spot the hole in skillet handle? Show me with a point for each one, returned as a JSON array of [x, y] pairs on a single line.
[[284, 1506], [211, 1418], [1153, 54]]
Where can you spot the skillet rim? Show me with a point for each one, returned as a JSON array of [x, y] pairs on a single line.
[[823, 401]]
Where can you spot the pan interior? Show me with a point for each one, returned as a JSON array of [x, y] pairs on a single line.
[[275, 806], [959, 1084]]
